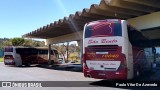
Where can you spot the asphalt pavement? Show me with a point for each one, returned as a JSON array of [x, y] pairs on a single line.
[[67, 75]]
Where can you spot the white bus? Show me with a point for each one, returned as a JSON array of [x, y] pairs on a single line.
[[19, 56], [112, 49]]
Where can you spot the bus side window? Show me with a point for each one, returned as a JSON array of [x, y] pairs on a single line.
[[40, 52], [131, 35], [56, 53], [52, 53], [136, 38], [46, 51], [33, 52]]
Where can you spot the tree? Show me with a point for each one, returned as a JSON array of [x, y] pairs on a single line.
[[38, 43], [33, 43], [17, 41], [62, 49], [21, 42], [27, 43], [6, 43]]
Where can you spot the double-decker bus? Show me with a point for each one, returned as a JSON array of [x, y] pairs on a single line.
[[112, 49], [19, 56]]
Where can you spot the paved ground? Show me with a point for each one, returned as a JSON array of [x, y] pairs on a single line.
[[37, 73], [64, 73]]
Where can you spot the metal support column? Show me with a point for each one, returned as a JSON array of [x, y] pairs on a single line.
[[49, 54]]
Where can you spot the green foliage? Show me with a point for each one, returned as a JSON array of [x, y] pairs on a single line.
[[28, 43], [17, 41], [5, 43], [31, 43], [21, 42], [1, 59], [62, 49]]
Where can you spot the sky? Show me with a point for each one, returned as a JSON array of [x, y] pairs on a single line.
[[18, 17]]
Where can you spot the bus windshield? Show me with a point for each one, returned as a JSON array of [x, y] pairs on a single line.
[[103, 29]]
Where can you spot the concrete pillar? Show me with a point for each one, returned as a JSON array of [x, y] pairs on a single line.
[[80, 43], [49, 54], [67, 51]]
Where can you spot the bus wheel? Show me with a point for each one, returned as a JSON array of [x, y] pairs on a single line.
[[52, 62], [137, 73], [28, 64], [18, 65]]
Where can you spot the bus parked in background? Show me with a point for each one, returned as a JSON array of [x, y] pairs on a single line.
[[112, 49], [26, 56]]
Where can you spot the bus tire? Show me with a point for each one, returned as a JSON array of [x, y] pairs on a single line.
[[52, 62], [17, 65], [28, 64], [137, 73]]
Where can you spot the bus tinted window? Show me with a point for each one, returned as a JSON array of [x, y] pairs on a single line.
[[56, 53], [8, 50], [103, 28], [33, 51], [136, 37], [26, 51], [43, 51]]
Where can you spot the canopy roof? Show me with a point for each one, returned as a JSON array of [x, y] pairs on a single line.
[[107, 9]]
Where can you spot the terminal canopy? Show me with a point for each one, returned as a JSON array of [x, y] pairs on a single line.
[[106, 9]]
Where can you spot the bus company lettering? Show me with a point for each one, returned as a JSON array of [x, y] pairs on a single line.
[[108, 41], [92, 41], [110, 56], [112, 64]]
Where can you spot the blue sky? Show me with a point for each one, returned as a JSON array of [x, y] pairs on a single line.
[[18, 17]]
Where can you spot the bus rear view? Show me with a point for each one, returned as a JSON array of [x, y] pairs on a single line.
[[105, 49], [9, 56]]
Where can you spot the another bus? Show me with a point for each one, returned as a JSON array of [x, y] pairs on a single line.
[[19, 56], [112, 49]]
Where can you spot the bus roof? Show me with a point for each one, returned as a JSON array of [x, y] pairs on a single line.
[[29, 47], [108, 20]]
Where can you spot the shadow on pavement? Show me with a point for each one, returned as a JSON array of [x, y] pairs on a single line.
[[68, 67], [150, 77], [23, 66]]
